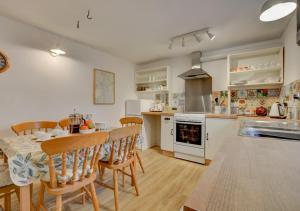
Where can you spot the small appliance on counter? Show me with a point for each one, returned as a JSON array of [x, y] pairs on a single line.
[[277, 111], [157, 107], [294, 107], [261, 111]]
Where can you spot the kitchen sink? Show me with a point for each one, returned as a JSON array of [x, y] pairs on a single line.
[[289, 130]]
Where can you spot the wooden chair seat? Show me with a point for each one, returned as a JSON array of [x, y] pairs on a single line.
[[69, 187], [127, 121], [84, 149], [6, 186], [122, 155], [4, 175]]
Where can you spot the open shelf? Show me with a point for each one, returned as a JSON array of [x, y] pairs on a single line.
[[257, 85], [264, 70], [151, 82], [261, 68]]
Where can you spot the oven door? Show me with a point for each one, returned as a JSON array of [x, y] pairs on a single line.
[[189, 133]]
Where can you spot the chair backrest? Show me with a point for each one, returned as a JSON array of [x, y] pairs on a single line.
[[65, 124], [79, 147], [126, 121], [32, 126], [123, 143]]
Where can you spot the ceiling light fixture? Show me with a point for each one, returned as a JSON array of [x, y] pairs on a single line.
[[273, 10], [197, 38], [194, 34], [210, 35], [57, 52], [171, 44]]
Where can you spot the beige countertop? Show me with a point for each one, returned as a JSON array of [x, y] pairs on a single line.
[[219, 116], [163, 113], [250, 174]]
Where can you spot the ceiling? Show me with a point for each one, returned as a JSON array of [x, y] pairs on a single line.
[[139, 30]]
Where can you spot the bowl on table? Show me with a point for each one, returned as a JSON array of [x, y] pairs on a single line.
[[87, 131], [59, 132], [42, 136]]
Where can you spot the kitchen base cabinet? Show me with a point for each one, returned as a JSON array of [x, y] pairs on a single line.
[[218, 131], [166, 142]]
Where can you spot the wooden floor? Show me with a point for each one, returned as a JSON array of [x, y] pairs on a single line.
[[165, 186]]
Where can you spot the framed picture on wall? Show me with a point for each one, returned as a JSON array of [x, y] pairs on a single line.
[[104, 87]]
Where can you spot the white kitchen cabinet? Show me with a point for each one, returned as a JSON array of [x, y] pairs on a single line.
[[218, 131], [167, 133]]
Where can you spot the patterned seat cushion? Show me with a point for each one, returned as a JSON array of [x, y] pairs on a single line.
[[4, 175]]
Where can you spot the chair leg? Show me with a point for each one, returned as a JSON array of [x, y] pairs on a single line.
[[7, 202], [140, 161], [115, 175], [58, 203], [94, 197], [133, 175], [123, 178], [101, 171], [83, 197], [31, 197], [41, 197]]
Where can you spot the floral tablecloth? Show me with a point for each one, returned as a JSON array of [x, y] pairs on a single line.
[[26, 160]]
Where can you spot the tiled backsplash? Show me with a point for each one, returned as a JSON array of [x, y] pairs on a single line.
[[246, 101]]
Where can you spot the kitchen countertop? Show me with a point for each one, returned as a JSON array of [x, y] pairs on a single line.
[[163, 113], [171, 113], [221, 116], [250, 174]]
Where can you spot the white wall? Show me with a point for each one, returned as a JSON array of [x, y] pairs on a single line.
[[292, 52], [217, 69], [39, 86]]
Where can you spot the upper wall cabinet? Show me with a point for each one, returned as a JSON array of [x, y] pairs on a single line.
[[154, 80], [261, 68]]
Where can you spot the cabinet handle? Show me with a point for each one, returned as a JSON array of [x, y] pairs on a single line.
[[206, 136], [171, 131], [167, 118]]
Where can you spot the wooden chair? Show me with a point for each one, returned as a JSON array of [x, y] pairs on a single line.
[[122, 155], [33, 126], [65, 124], [126, 121], [6, 187], [79, 147]]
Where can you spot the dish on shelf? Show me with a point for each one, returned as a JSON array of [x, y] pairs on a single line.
[[240, 82]]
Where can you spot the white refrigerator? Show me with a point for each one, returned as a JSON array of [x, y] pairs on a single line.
[[135, 108]]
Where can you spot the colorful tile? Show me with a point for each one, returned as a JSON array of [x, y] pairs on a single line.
[[273, 92], [262, 92], [252, 93], [241, 94]]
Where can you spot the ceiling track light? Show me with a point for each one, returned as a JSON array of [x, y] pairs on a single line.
[[197, 38], [171, 44], [273, 10], [195, 34], [210, 35]]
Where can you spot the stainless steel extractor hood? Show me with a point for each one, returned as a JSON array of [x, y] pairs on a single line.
[[196, 71]]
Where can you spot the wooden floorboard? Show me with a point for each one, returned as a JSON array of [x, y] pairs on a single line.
[[165, 186]]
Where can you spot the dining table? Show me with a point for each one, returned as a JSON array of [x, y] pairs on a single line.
[[28, 163]]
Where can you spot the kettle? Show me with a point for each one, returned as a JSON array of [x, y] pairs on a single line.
[[277, 110]]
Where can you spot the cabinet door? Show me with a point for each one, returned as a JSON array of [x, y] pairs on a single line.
[[167, 133], [218, 131]]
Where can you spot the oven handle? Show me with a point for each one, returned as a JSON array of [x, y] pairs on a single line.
[[190, 123]]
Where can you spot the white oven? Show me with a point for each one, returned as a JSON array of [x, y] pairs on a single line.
[[189, 136]]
